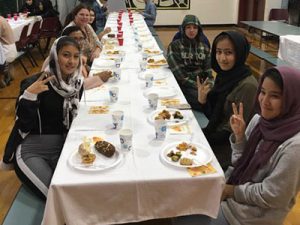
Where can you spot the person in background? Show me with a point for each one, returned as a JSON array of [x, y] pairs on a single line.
[[80, 16], [265, 178], [188, 57], [47, 104], [90, 81], [92, 22], [45, 9], [29, 7], [100, 14], [149, 13], [8, 52]]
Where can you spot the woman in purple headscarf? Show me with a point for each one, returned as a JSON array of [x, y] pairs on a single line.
[[262, 186]]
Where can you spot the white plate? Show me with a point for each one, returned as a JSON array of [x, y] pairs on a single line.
[[156, 76], [170, 121], [101, 162], [203, 156], [163, 92], [152, 52]]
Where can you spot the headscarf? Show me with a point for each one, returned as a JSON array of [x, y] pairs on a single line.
[[226, 81], [271, 133], [68, 90]]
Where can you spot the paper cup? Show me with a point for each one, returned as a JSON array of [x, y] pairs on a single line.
[[144, 56], [160, 129], [153, 100], [117, 62], [126, 139], [113, 94], [117, 74], [149, 80], [117, 118]]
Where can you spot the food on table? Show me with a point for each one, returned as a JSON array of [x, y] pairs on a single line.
[[151, 60], [149, 51], [182, 146], [98, 109], [105, 148], [111, 35], [115, 52], [186, 161], [95, 139], [178, 115], [165, 114], [174, 156], [170, 101], [84, 150]]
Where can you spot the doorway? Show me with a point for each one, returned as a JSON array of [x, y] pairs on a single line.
[[251, 10]]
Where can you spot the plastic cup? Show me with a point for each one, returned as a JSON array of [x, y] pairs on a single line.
[[117, 74], [113, 94], [121, 41], [119, 35], [119, 28], [153, 100], [144, 56], [126, 139], [117, 62], [117, 118], [8, 16], [160, 129], [120, 23], [15, 17], [149, 80]]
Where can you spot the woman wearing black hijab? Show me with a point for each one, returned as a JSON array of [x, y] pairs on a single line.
[[234, 83], [29, 7]]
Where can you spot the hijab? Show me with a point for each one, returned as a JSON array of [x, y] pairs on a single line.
[[190, 19], [69, 89], [226, 81], [271, 133]]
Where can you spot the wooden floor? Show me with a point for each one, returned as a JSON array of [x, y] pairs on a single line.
[[9, 183]]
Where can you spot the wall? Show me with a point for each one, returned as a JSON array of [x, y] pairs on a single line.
[[271, 4], [208, 11]]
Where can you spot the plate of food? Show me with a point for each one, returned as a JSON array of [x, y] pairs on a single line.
[[157, 62], [163, 92], [172, 116], [95, 154], [183, 154], [156, 76], [151, 52], [112, 52]]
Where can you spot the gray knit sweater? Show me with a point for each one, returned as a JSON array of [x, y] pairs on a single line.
[[268, 199]]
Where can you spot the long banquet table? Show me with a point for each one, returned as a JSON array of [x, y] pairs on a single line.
[[142, 185], [289, 48]]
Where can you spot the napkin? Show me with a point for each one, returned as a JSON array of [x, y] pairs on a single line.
[[201, 170]]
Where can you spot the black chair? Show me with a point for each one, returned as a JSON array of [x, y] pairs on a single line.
[[51, 28], [34, 38]]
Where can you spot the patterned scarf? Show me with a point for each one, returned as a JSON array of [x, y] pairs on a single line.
[[69, 90]]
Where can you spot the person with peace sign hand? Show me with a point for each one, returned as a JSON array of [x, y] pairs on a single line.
[[264, 179], [47, 105], [234, 82]]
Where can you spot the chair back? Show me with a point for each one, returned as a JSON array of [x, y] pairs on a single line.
[[22, 43], [279, 14], [51, 27], [35, 32]]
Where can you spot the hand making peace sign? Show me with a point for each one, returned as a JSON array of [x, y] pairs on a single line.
[[40, 85], [203, 89], [237, 122]]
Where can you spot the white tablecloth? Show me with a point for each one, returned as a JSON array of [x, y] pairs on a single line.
[[289, 50], [18, 25], [142, 186]]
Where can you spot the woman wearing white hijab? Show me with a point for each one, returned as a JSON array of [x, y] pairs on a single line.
[[45, 109]]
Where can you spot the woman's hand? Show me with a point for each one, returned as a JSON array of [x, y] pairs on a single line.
[[105, 75], [237, 122], [203, 89], [95, 54], [228, 192], [40, 85]]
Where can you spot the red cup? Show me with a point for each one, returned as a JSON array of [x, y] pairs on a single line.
[[8, 16], [119, 35], [15, 17], [121, 41], [120, 24], [119, 28]]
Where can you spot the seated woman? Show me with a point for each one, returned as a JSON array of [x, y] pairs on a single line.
[[234, 83], [188, 58], [29, 7], [80, 16], [92, 22], [45, 9], [98, 78], [47, 105], [262, 186]]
